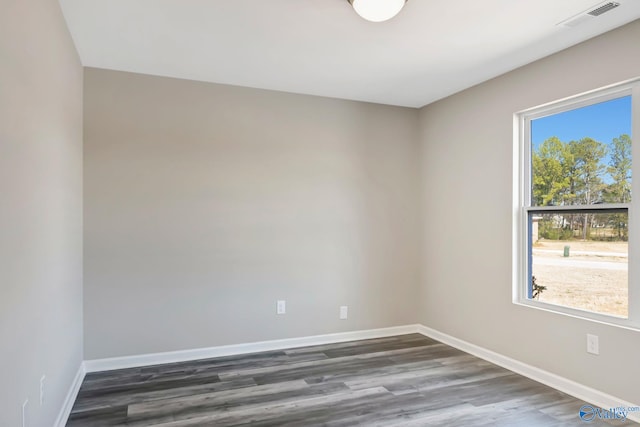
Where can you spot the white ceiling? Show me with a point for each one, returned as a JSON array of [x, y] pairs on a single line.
[[321, 47]]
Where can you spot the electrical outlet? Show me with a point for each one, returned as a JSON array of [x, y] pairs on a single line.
[[281, 307], [344, 312], [42, 389], [24, 413], [592, 344]]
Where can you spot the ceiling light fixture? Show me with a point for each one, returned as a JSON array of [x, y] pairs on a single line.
[[377, 10]]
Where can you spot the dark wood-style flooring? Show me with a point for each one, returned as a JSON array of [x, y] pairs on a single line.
[[407, 380]]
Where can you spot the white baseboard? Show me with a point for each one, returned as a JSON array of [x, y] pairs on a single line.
[[108, 364], [557, 382], [63, 416]]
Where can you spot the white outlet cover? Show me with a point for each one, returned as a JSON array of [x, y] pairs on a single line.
[[593, 346], [344, 312], [281, 307], [42, 380]]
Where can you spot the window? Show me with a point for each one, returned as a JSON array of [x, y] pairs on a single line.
[[576, 206]]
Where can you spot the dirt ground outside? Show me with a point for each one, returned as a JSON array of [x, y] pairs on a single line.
[[594, 276]]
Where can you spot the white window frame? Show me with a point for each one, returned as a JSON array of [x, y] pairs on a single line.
[[522, 202]]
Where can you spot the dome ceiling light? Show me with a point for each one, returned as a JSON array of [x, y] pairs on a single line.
[[377, 10]]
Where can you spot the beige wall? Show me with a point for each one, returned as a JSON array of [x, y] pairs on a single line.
[[467, 151], [40, 211], [205, 203]]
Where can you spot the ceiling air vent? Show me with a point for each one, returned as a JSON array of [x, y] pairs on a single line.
[[589, 14], [603, 9]]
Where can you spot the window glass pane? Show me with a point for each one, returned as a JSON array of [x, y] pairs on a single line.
[[580, 260], [582, 156]]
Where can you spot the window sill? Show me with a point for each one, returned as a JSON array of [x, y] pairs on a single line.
[[619, 322]]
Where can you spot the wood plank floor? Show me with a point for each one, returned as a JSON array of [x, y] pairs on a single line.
[[407, 380]]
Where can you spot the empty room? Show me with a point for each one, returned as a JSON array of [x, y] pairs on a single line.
[[319, 212]]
